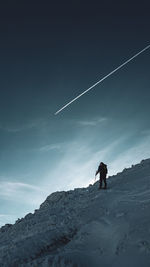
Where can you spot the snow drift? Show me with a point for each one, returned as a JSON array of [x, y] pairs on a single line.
[[86, 226]]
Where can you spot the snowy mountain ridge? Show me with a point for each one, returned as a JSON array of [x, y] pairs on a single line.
[[86, 226]]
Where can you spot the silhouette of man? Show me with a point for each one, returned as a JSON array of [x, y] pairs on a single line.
[[102, 170]]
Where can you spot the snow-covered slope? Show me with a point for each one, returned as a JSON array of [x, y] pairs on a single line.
[[86, 226]]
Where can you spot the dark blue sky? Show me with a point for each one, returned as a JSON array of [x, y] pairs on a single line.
[[49, 54]]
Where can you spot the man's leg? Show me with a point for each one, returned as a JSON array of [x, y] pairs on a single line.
[[100, 182], [105, 182]]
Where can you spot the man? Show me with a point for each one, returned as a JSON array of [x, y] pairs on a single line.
[[102, 169]]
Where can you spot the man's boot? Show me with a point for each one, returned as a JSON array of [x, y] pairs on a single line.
[[105, 187], [100, 186]]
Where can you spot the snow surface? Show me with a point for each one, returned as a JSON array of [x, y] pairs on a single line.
[[86, 226]]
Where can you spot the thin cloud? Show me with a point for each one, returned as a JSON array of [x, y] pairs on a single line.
[[56, 146], [47, 148], [93, 122], [19, 128], [8, 188], [21, 197], [22, 192]]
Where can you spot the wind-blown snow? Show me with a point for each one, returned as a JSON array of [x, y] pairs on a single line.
[[86, 226]]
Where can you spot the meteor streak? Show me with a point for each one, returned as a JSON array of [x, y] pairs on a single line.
[[109, 74]]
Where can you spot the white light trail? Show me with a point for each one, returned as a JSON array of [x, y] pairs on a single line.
[[109, 74]]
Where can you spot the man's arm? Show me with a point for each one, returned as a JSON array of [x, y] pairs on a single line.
[[97, 172]]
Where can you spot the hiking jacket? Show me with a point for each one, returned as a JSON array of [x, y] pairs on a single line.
[[102, 169]]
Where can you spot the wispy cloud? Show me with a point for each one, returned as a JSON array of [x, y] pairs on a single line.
[[7, 188], [92, 122], [26, 193], [62, 146], [19, 199], [49, 147], [14, 128]]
